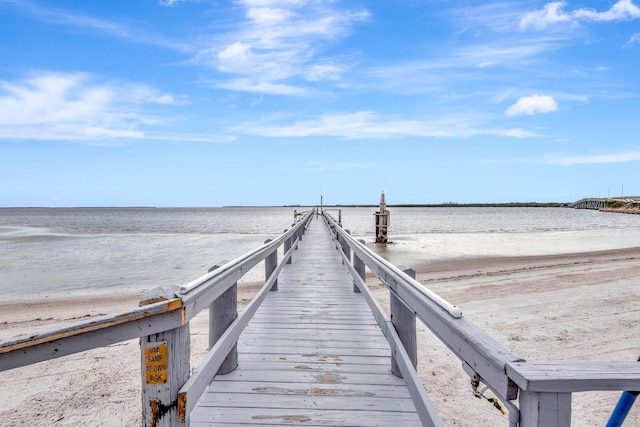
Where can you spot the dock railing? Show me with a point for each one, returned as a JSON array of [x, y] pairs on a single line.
[[537, 394], [169, 389], [542, 389]]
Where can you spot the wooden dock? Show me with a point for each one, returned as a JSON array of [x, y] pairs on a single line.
[[312, 355], [309, 350]]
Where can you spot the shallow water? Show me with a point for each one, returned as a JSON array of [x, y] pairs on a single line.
[[60, 252]]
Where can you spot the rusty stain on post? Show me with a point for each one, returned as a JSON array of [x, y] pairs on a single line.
[[182, 407], [159, 410]]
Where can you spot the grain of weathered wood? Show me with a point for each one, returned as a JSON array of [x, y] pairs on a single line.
[[282, 388], [160, 398], [404, 321], [195, 386], [575, 376], [164, 360], [463, 338], [425, 409], [312, 354], [307, 417], [222, 312], [315, 358], [270, 264], [545, 409], [320, 398], [92, 333]]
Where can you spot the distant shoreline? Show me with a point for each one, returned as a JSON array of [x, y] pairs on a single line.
[[452, 205], [400, 205]]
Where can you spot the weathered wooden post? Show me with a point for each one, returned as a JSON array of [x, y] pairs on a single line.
[[345, 247], [360, 268], [404, 321], [287, 246], [222, 312], [338, 241], [382, 221], [270, 264], [165, 366], [545, 409]]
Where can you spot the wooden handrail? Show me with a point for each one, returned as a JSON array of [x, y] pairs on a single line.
[[463, 338], [163, 328], [196, 385], [113, 328], [91, 333], [543, 388], [426, 411]]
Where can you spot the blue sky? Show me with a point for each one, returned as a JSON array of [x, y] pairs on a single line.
[[261, 102]]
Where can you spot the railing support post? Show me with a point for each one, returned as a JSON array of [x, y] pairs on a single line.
[[164, 361], [287, 246], [270, 264], [222, 312], [545, 409], [345, 246], [360, 268], [404, 321]]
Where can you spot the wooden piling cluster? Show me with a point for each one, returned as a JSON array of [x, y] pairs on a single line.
[[383, 220]]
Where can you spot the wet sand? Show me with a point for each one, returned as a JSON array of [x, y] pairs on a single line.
[[563, 307]]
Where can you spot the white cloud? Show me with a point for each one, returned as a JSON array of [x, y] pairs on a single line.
[[235, 55], [268, 16], [500, 17], [371, 125], [634, 39], [632, 156], [263, 87], [171, 2], [78, 107], [534, 104], [321, 72], [553, 13], [455, 69], [142, 94], [623, 10], [58, 16], [277, 44]]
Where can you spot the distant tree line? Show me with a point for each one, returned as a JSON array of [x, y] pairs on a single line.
[[462, 205]]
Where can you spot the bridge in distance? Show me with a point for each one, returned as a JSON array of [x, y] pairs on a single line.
[[599, 203]]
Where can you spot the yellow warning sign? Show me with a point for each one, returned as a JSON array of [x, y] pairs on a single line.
[[156, 363]]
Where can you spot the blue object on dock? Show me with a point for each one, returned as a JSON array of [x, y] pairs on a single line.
[[622, 408]]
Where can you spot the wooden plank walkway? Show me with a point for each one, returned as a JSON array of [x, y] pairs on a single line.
[[313, 354]]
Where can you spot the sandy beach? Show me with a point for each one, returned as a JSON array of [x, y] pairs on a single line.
[[564, 307]]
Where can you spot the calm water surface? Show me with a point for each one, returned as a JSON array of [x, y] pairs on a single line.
[[70, 251]]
